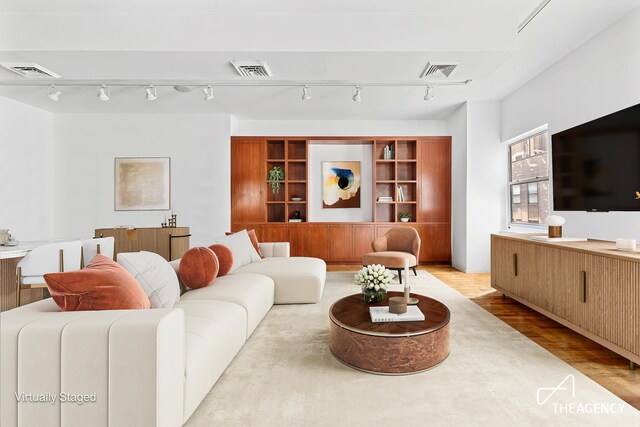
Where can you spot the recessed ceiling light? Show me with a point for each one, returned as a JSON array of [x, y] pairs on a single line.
[[208, 93], [152, 94], [357, 97], [305, 93], [428, 93], [104, 93], [54, 94]]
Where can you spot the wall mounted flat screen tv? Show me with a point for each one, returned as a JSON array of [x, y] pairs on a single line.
[[596, 166]]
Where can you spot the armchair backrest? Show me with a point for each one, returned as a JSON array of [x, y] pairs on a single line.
[[403, 239], [90, 248], [46, 259]]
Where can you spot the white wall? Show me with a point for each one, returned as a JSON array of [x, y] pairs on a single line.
[[321, 153], [598, 78], [26, 153], [457, 128], [486, 177], [339, 127], [85, 148]]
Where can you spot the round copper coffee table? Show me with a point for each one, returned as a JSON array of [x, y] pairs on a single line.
[[392, 348]]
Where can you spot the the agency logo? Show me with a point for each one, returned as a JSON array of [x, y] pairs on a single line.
[[566, 389]]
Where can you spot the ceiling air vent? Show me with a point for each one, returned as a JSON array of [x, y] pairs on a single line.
[[30, 70], [439, 70], [252, 68]]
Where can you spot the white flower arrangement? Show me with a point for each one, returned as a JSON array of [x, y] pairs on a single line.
[[374, 277]]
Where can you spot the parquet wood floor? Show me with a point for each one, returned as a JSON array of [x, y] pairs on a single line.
[[598, 363]]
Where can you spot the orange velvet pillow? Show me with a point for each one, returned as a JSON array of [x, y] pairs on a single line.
[[198, 268], [254, 240], [225, 258], [102, 285]]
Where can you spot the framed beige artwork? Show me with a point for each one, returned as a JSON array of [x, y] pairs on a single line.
[[142, 183]]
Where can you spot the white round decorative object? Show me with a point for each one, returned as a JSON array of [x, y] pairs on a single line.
[[555, 220]]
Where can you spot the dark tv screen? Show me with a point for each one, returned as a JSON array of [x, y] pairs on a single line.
[[596, 166]]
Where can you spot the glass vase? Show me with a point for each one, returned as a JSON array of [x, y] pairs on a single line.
[[372, 296]]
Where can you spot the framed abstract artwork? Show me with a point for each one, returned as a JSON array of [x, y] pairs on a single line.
[[340, 185], [142, 183]]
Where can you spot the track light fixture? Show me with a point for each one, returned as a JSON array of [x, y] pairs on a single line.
[[428, 93], [54, 93], [104, 93], [305, 93], [357, 97], [208, 93], [152, 94]]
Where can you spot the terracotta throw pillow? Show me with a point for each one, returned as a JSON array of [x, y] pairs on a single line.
[[198, 268], [225, 258], [254, 240], [102, 285]]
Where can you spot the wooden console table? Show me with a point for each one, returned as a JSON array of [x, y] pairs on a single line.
[[589, 287], [170, 243]]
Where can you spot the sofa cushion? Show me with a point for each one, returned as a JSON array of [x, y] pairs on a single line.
[[155, 275], [225, 258], [254, 240], [102, 285], [214, 333], [241, 247], [198, 268], [297, 279], [252, 291]]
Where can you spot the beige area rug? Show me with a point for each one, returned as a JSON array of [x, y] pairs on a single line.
[[286, 376]]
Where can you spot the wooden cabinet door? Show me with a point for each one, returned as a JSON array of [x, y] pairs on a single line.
[[318, 241], [434, 179], [275, 233], [362, 236], [506, 265], [248, 180], [298, 239], [341, 243]]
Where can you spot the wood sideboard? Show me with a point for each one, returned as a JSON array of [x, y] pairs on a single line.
[[170, 243], [589, 287]]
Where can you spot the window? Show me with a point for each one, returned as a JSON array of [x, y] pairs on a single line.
[[529, 180]]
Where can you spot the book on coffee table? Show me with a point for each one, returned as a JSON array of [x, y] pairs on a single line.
[[381, 314]]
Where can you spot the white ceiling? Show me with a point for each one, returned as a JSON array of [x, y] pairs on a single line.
[[359, 42]]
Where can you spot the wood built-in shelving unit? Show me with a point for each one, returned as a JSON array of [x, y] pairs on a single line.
[[290, 155], [389, 174]]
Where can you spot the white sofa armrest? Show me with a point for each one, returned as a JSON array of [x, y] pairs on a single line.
[[274, 249], [129, 362]]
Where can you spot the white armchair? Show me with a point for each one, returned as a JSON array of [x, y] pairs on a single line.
[[49, 258]]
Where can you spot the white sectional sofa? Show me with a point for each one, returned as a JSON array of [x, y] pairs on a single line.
[[141, 367]]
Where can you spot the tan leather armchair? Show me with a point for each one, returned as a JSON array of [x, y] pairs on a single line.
[[393, 248]]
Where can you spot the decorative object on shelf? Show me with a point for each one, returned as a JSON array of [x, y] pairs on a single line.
[[274, 176], [172, 223], [385, 199], [296, 215], [388, 153], [555, 223], [407, 286], [626, 244], [374, 280], [142, 183], [4, 236], [341, 185], [296, 199], [400, 194], [404, 216], [11, 241]]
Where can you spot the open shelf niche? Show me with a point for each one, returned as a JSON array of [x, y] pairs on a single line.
[[291, 155]]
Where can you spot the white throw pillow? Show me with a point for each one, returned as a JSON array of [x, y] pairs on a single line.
[[241, 247], [155, 275]]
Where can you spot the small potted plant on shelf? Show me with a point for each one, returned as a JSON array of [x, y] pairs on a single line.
[[274, 176], [374, 280], [405, 216]]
